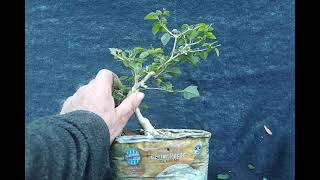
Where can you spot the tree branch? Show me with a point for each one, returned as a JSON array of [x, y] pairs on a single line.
[[168, 31], [174, 47], [198, 50]]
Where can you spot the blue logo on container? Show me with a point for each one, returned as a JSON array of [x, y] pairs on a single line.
[[197, 149], [132, 157]]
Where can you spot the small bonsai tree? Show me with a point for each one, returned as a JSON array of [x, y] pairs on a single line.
[[191, 43]]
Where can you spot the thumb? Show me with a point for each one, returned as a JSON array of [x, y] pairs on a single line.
[[125, 110]]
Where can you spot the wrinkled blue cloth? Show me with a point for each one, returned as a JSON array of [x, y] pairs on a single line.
[[250, 85]]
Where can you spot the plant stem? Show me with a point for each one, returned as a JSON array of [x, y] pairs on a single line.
[[163, 66], [158, 89], [137, 85], [174, 47], [145, 123], [195, 42], [198, 50], [168, 31]]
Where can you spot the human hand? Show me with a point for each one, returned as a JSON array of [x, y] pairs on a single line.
[[96, 97]]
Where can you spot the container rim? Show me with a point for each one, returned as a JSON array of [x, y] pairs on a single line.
[[168, 134]]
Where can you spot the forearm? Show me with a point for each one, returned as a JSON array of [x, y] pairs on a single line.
[[70, 146]]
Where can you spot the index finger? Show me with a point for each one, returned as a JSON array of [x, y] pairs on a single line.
[[104, 81]]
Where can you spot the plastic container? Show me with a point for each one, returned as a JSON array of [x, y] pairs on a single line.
[[175, 154]]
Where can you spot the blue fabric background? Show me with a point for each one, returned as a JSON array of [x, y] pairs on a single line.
[[250, 85]]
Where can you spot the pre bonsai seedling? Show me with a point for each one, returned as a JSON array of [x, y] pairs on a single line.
[[192, 43]]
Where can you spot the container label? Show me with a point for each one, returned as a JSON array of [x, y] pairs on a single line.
[[132, 157], [167, 157]]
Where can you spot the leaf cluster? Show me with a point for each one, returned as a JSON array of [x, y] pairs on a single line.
[[191, 43]]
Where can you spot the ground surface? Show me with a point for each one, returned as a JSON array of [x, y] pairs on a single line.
[[249, 86]]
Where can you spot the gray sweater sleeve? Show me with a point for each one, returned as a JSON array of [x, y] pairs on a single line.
[[71, 146]]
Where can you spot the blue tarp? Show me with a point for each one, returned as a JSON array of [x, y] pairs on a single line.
[[249, 86]]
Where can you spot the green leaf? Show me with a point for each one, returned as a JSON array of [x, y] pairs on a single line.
[[190, 92], [126, 63], [144, 106], [130, 79], [251, 167], [210, 35], [136, 51], [136, 67], [203, 55], [184, 26], [161, 29], [165, 12], [181, 41], [201, 26], [194, 60], [123, 78], [193, 34], [155, 28], [165, 38], [264, 178], [151, 16], [217, 51], [144, 54], [158, 82], [167, 86], [155, 51], [173, 71], [223, 176], [113, 51]]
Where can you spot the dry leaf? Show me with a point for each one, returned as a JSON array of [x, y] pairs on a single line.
[[267, 130]]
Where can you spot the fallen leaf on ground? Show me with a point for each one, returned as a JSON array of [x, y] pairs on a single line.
[[250, 166], [267, 130], [223, 176]]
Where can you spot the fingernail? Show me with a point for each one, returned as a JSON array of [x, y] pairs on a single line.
[[140, 96]]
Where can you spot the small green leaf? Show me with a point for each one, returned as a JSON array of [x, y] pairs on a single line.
[[173, 71], [158, 82], [184, 26], [155, 28], [201, 26], [190, 92], [136, 67], [144, 54], [155, 51], [123, 78], [165, 39], [158, 12], [126, 63], [264, 178], [144, 106], [113, 51], [194, 60], [251, 167], [167, 86], [161, 29], [193, 34], [165, 12], [217, 51], [210, 35], [180, 41], [151, 16], [223, 176]]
